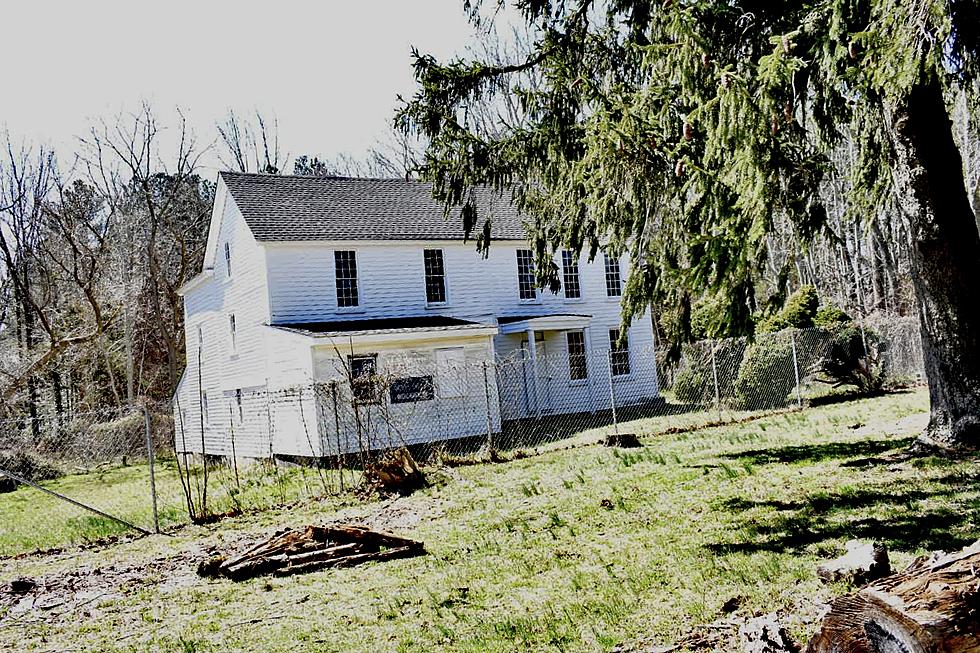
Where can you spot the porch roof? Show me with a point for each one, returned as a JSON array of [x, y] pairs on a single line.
[[546, 322], [382, 326]]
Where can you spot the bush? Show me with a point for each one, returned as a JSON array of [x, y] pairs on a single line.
[[830, 317], [695, 382], [766, 376], [798, 312], [845, 361]]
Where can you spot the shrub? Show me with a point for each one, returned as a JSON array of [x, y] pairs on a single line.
[[798, 312], [830, 317], [695, 382], [766, 376], [846, 362]]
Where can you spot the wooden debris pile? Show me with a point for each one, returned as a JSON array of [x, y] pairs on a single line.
[[293, 551]]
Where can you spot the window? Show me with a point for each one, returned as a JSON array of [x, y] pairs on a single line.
[[619, 353], [228, 260], [569, 271], [233, 332], [345, 266], [613, 282], [364, 378], [450, 372], [525, 274], [578, 367], [238, 403], [205, 412], [435, 276]]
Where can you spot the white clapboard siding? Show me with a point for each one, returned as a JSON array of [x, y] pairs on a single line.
[[276, 372]]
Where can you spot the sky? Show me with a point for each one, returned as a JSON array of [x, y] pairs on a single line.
[[329, 71]]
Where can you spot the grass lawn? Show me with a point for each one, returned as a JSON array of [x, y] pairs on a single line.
[[573, 550], [31, 519]]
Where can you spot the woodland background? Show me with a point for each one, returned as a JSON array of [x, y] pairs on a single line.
[[96, 242]]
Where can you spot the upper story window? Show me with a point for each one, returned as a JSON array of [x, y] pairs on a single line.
[[569, 272], [578, 366], [435, 276], [233, 333], [614, 285], [345, 266], [228, 260], [525, 274], [619, 353]]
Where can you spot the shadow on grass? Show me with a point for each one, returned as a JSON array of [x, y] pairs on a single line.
[[857, 513], [812, 453]]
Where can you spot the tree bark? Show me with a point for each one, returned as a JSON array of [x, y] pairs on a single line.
[[945, 250], [929, 607]]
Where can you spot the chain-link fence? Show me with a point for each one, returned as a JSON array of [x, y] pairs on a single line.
[[82, 477]]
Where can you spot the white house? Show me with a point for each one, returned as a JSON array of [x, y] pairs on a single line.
[[334, 314]]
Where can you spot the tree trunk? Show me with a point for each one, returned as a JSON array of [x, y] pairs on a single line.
[[931, 606], [945, 251]]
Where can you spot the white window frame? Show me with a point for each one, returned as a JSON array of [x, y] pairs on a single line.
[[445, 279], [585, 356], [227, 260], [607, 258], [578, 275], [536, 299], [233, 333], [627, 350], [372, 381], [357, 281], [205, 409]]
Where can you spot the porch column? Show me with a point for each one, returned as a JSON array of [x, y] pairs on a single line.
[[532, 350]]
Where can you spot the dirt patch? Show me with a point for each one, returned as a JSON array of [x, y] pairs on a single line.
[[80, 591]]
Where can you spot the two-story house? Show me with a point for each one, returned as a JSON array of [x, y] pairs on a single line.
[[333, 312]]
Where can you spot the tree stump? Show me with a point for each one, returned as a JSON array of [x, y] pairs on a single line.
[[931, 607], [395, 472]]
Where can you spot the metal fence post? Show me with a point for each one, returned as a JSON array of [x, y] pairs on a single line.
[[796, 369], [151, 458], [612, 392], [714, 376], [486, 393]]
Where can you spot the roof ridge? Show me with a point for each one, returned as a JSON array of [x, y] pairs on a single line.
[[233, 173]]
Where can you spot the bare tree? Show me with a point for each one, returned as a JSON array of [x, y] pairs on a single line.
[[166, 205], [250, 145]]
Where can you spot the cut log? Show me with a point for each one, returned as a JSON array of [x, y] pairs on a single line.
[[863, 563], [291, 552], [931, 607]]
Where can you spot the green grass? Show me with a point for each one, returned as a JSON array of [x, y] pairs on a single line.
[[31, 519], [574, 550]]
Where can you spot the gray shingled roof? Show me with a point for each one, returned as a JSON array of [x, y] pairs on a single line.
[[289, 208]]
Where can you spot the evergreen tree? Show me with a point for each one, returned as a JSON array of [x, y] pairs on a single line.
[[679, 130]]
